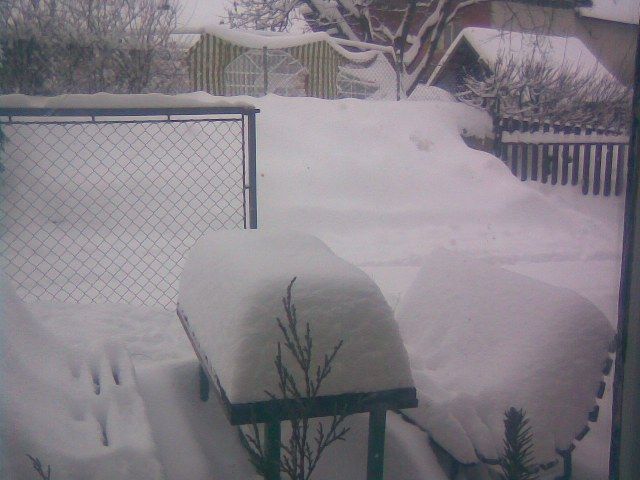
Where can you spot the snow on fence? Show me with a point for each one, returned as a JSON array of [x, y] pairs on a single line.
[[102, 204], [594, 159]]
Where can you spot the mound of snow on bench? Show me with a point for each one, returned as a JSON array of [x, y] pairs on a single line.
[[80, 414], [231, 291], [482, 339]]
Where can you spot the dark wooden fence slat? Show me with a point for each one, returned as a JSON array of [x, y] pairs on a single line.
[[606, 191], [554, 164], [545, 162], [597, 168], [620, 161], [534, 162], [575, 167], [565, 164], [514, 158], [586, 167]]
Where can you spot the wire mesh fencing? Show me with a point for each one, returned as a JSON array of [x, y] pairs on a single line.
[[104, 209]]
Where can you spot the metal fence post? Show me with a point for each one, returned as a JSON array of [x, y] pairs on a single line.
[[253, 197]]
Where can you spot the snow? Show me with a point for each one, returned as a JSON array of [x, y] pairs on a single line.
[[382, 184], [549, 137], [78, 411], [623, 11], [430, 94], [111, 100], [231, 290], [482, 339], [557, 52], [257, 39]]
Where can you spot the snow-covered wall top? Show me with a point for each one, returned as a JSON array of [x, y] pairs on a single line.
[[482, 339], [110, 100], [623, 11], [557, 52], [231, 291], [279, 40]]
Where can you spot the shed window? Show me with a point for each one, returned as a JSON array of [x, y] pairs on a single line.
[[286, 76], [351, 85]]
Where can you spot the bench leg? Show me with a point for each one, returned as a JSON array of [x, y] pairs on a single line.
[[375, 453], [272, 450], [204, 384]]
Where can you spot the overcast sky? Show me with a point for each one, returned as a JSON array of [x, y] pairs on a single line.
[[197, 14]]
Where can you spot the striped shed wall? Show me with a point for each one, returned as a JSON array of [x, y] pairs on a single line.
[[210, 55]]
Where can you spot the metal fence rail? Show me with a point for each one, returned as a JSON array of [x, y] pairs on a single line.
[[103, 205]]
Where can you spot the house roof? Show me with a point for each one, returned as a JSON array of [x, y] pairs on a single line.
[[623, 11], [491, 44]]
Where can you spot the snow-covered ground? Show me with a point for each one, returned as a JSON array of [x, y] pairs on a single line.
[[383, 184]]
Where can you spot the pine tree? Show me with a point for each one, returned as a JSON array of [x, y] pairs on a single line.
[[517, 459]]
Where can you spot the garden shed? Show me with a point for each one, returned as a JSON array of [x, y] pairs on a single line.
[[232, 62]]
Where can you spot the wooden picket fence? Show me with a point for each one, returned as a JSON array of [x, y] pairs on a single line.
[[593, 159]]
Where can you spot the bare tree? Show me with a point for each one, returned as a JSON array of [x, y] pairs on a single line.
[[535, 90], [412, 27], [56, 46]]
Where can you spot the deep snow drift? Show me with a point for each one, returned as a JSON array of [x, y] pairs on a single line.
[[78, 411], [231, 290], [482, 339], [382, 184]]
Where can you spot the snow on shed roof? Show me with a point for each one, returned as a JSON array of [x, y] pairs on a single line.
[[110, 100], [278, 40], [623, 11], [491, 44]]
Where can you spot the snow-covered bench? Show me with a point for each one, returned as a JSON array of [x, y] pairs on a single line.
[[482, 339], [231, 292]]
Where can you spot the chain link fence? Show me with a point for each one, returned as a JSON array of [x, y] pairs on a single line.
[[104, 209]]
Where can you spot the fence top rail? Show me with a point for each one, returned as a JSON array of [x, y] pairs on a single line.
[[561, 138], [124, 112]]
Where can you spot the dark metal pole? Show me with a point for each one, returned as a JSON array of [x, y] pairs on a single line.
[[375, 449], [272, 450], [624, 461], [253, 197], [204, 385]]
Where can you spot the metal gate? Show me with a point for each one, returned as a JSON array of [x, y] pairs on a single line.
[[102, 205]]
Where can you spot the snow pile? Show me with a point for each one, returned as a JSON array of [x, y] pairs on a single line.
[[115, 100], [386, 182], [425, 93], [482, 339], [79, 413], [624, 11], [231, 290]]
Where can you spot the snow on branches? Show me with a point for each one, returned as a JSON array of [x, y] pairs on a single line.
[[412, 27], [535, 89], [85, 46]]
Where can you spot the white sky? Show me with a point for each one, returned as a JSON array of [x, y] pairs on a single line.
[[197, 14]]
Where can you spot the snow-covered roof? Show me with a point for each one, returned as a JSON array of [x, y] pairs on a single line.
[[231, 292], [491, 44], [623, 11], [482, 339], [110, 100], [279, 40]]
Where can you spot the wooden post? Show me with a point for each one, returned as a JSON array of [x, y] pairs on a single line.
[[272, 450], [204, 384], [375, 452]]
